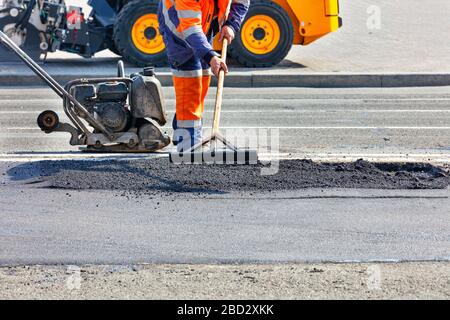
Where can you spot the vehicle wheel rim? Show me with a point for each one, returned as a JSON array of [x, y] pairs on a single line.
[[260, 34], [145, 34]]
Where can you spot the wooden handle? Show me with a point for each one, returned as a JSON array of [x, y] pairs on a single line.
[[219, 94]]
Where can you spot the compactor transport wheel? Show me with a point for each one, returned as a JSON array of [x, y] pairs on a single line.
[[136, 34], [266, 36], [48, 121]]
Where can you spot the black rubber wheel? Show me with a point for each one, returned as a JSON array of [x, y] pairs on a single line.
[[123, 34], [113, 49], [263, 8], [48, 121]]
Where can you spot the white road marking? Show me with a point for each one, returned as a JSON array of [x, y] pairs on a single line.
[[298, 128], [344, 128], [443, 158], [32, 157], [230, 98], [284, 111]]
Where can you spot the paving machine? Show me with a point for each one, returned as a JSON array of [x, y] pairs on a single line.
[[117, 114]]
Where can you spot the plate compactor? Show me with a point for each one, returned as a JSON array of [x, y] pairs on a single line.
[[118, 114]]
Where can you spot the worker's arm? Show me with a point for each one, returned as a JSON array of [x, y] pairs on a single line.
[[190, 16], [238, 11]]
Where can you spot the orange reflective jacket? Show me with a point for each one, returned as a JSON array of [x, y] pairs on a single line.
[[185, 23]]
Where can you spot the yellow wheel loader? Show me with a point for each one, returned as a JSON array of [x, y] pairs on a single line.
[[267, 35], [130, 29]]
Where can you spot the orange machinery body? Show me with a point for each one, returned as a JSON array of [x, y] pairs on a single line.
[[312, 19]]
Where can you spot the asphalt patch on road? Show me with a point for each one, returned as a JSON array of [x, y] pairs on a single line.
[[158, 175]]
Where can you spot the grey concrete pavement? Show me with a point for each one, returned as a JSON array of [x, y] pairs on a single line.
[[411, 38], [279, 281]]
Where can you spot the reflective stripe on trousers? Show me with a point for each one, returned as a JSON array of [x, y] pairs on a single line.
[[191, 82], [190, 96]]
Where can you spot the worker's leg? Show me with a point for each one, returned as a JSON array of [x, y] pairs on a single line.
[[187, 124]]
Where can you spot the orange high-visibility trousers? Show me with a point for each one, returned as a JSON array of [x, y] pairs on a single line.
[[191, 82]]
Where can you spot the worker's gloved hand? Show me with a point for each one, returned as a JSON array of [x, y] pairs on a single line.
[[217, 64], [227, 33]]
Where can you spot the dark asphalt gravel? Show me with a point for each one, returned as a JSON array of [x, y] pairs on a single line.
[[158, 175]]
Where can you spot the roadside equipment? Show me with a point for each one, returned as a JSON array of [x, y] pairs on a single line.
[[130, 28], [125, 113], [127, 27], [228, 155]]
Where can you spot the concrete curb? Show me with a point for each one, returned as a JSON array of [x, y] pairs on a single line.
[[260, 79]]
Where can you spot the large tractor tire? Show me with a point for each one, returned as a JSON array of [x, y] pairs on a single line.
[[266, 36], [136, 34], [113, 49]]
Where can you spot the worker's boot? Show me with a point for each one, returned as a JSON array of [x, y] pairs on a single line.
[[186, 138]]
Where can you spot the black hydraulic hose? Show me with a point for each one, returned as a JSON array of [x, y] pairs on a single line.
[[26, 15]]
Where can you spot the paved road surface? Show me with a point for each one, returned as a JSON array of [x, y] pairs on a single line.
[[51, 226], [341, 121], [59, 227]]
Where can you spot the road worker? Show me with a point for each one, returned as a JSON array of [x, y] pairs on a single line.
[[188, 27]]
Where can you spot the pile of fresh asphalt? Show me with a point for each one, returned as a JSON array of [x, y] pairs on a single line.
[[158, 175]]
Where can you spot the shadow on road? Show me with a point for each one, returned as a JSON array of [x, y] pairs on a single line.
[[99, 174]]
